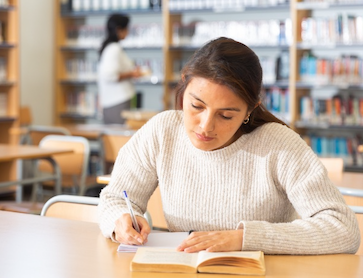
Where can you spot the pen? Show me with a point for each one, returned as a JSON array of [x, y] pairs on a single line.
[[133, 218]]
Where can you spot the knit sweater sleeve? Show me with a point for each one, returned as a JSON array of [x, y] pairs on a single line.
[[133, 171], [325, 224]]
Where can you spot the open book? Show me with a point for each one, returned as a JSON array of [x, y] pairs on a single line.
[[169, 260]]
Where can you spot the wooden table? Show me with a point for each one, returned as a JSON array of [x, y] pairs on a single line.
[[350, 180], [93, 131], [36, 246], [10, 154]]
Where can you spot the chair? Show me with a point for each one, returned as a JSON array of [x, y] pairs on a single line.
[[334, 166], [73, 166], [35, 133], [72, 207], [25, 116], [111, 141]]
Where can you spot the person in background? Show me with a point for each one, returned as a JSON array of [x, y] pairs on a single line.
[[115, 71], [227, 169]]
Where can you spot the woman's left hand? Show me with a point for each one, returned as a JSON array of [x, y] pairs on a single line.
[[216, 241]]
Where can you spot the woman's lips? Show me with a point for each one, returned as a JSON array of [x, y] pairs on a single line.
[[203, 138]]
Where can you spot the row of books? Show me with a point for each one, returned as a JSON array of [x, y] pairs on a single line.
[[274, 68], [108, 5], [86, 69], [81, 69], [84, 102], [3, 104], [343, 147], [341, 71], [337, 110], [217, 4], [3, 69], [253, 32], [139, 35], [334, 1], [276, 100], [261, 32], [344, 28], [3, 38], [4, 3]]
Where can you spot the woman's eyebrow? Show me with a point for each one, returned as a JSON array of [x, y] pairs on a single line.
[[224, 109]]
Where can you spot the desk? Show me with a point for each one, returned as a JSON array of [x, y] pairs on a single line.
[[350, 180], [93, 131], [35, 246], [9, 154]]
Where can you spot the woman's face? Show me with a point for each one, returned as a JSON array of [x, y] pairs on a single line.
[[212, 114], [122, 33]]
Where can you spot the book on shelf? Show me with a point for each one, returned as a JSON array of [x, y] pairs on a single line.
[[3, 104], [170, 260]]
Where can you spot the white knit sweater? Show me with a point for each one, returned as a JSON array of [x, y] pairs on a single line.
[[260, 183]]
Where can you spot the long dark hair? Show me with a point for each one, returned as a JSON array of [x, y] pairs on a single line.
[[230, 63], [114, 23]]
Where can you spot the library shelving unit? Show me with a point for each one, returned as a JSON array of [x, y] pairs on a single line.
[[183, 25], [326, 79], [76, 60], [9, 72], [9, 84], [288, 95]]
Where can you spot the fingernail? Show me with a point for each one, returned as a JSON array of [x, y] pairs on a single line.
[[140, 240]]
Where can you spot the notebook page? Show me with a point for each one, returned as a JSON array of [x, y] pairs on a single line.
[[160, 240]]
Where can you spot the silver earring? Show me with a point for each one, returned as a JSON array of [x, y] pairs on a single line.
[[247, 120]]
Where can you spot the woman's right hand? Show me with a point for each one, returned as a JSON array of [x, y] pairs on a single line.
[[125, 232], [136, 72]]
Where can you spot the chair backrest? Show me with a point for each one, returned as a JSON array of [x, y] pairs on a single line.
[[35, 133], [72, 207], [82, 208], [111, 141], [334, 166], [25, 116], [72, 164]]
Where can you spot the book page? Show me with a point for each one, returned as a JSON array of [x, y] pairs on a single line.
[[204, 255], [165, 256], [161, 240]]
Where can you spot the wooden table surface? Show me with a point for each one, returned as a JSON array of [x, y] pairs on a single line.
[[36, 246], [93, 131], [13, 152]]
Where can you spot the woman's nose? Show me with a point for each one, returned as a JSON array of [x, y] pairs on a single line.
[[207, 122]]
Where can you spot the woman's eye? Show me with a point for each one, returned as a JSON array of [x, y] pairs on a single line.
[[196, 107], [226, 118]]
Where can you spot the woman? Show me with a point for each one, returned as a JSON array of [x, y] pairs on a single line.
[[115, 71], [227, 169]]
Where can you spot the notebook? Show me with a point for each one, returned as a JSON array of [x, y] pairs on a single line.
[[162, 240]]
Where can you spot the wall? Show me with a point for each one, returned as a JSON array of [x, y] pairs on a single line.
[[36, 58]]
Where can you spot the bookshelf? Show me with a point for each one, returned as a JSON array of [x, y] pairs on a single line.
[[326, 83], [188, 26], [79, 34], [9, 83], [290, 93], [9, 71]]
